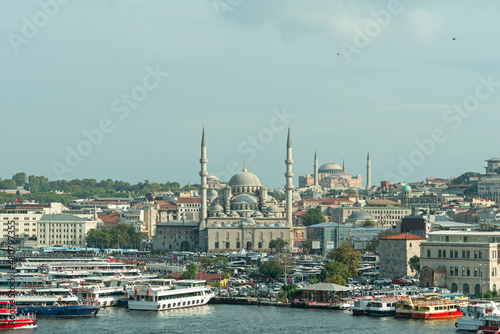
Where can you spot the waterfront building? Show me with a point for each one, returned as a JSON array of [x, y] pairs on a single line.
[[176, 235], [464, 261], [386, 216], [395, 251], [63, 230]]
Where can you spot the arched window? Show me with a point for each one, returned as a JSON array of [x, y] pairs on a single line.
[[281, 235], [238, 235], [494, 287], [465, 288], [227, 235], [216, 235], [261, 235], [271, 236], [454, 287], [477, 290]]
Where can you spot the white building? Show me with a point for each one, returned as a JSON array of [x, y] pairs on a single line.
[[63, 230]]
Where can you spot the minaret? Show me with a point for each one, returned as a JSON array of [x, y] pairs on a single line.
[[289, 180], [203, 184], [343, 165], [368, 172], [316, 183]]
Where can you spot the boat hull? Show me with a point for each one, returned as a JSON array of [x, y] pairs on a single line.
[[437, 315], [18, 323], [468, 325], [60, 311], [382, 313], [165, 305]]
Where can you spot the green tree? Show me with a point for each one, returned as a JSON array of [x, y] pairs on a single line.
[[20, 179], [374, 243], [313, 216], [345, 255], [336, 272], [205, 262], [191, 271], [8, 184], [307, 247], [369, 223], [463, 179], [414, 264], [272, 268], [278, 244], [220, 262]]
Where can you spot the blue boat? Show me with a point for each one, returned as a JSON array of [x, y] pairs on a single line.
[[53, 302]]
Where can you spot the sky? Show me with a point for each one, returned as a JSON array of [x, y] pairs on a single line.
[[121, 89]]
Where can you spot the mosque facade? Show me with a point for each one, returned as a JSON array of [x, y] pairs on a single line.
[[244, 216]]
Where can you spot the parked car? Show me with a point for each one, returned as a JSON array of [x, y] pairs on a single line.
[[382, 281], [400, 281]]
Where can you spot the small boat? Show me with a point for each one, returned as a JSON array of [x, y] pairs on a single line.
[[345, 304], [491, 323], [436, 308], [383, 307], [360, 306], [9, 319], [472, 315], [171, 295], [404, 308]]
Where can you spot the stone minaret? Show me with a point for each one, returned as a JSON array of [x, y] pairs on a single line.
[[203, 184], [343, 165], [289, 180], [316, 183], [368, 172]]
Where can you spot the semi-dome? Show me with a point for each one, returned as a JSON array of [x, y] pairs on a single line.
[[216, 225], [234, 214], [296, 196], [213, 193], [360, 215], [257, 214], [407, 188], [330, 168], [248, 221], [280, 225], [245, 178], [273, 209], [217, 199], [244, 199]]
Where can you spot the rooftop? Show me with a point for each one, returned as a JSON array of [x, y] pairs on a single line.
[[402, 236]]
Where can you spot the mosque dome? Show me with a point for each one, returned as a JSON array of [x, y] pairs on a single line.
[[296, 196], [248, 221], [219, 198], [257, 214], [273, 209], [407, 188], [360, 215], [216, 208], [280, 225], [213, 194], [216, 225], [330, 168], [234, 214], [245, 178], [245, 199]]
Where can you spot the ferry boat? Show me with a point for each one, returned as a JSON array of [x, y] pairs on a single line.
[[360, 306], [53, 302], [169, 295], [382, 307], [472, 315], [105, 296], [10, 320], [436, 308], [404, 308]]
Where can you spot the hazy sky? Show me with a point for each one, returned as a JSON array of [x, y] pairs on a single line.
[[349, 76]]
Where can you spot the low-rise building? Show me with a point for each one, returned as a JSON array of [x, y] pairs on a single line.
[[63, 230]]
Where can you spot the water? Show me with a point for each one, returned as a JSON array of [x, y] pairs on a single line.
[[236, 319]]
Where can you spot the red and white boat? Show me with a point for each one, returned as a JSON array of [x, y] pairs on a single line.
[[490, 323], [10, 320], [436, 308]]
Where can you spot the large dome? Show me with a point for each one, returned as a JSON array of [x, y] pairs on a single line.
[[245, 178], [330, 168]]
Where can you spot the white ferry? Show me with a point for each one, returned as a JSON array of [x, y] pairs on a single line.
[[383, 307], [169, 295], [473, 314]]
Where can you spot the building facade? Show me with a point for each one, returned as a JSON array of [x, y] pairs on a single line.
[[395, 252], [63, 230]]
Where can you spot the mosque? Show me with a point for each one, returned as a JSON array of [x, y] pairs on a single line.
[[331, 176], [245, 216]]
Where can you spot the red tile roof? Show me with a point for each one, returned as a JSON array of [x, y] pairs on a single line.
[[111, 217], [188, 200], [402, 236]]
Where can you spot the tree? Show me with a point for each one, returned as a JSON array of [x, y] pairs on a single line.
[[414, 264], [205, 262], [312, 217], [463, 179], [8, 184], [278, 244], [369, 223], [307, 247], [191, 271], [372, 246], [20, 179], [345, 255], [272, 268], [336, 272]]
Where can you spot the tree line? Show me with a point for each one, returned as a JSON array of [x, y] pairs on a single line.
[[121, 236]]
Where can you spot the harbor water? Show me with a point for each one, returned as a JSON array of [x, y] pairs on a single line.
[[235, 319]]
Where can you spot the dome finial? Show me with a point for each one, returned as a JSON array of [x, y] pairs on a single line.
[[244, 165]]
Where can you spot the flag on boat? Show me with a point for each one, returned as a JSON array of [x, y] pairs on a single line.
[[16, 199]]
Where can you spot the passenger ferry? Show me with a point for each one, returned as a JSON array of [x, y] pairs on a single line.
[[472, 315], [10, 320], [404, 308], [436, 308], [52, 302], [382, 307], [360, 306], [104, 291], [169, 295]]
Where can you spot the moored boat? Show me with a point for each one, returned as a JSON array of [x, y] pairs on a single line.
[[382, 307], [435, 308], [491, 323], [360, 306], [472, 315], [9, 319]]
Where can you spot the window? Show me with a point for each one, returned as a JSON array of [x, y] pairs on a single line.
[[238, 245], [428, 253], [463, 271], [475, 271], [260, 244], [468, 271], [465, 239], [439, 253], [447, 238], [227, 245], [444, 252], [451, 254], [468, 254], [456, 254], [463, 254], [480, 254], [451, 271], [216, 244], [456, 271], [475, 254]]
